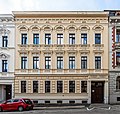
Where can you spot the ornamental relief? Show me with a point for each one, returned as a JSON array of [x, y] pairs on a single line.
[[34, 28], [84, 28], [60, 28], [4, 56], [98, 28], [4, 30], [47, 28], [71, 28], [22, 28]]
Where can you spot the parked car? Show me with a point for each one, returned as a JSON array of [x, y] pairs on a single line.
[[17, 104]]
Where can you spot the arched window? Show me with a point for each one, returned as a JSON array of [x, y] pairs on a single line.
[[118, 83]]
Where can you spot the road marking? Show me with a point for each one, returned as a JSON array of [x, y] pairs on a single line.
[[89, 109]]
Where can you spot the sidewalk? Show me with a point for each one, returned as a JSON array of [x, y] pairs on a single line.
[[59, 107], [87, 107]]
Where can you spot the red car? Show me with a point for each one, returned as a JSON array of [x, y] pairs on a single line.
[[16, 104]]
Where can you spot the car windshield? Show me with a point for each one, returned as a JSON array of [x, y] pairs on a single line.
[[27, 101]]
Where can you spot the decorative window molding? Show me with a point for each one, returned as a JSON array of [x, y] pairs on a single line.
[[59, 28], [98, 28], [71, 28], [84, 28], [34, 28], [23, 28], [47, 28], [4, 55], [4, 30]]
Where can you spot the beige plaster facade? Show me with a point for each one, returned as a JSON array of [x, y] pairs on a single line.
[[65, 23]]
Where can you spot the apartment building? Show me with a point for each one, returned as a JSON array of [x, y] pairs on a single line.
[[61, 56], [7, 50], [114, 54]]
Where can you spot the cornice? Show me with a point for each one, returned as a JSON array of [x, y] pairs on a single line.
[[74, 20], [60, 14]]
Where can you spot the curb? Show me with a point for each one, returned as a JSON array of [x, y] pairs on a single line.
[[57, 108]]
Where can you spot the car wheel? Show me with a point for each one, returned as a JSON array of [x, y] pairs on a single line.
[[20, 108], [1, 109]]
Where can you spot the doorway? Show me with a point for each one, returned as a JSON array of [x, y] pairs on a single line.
[[97, 92], [8, 92]]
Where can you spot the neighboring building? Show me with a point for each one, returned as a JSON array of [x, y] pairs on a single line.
[[114, 54], [7, 50], [62, 57]]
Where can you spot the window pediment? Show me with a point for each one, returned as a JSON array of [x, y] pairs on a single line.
[[84, 28], [59, 28], [35, 28], [71, 28], [4, 55], [47, 28], [23, 28], [98, 28], [4, 30]]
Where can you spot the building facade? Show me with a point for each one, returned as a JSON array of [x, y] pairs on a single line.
[[7, 50], [62, 57], [114, 61]]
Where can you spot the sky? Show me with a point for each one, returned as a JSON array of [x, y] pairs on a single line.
[[7, 6]]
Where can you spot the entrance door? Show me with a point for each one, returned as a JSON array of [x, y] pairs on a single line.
[[97, 92], [8, 92]]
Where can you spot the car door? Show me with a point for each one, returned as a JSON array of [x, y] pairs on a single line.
[[7, 105], [16, 103]]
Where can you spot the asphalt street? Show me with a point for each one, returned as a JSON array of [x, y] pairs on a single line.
[[72, 110]]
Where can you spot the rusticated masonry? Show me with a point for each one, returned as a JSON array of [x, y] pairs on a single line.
[[113, 47]]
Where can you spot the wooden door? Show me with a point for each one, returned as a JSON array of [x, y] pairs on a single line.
[[97, 92]]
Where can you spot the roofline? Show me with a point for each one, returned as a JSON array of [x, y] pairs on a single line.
[[6, 15], [59, 13]]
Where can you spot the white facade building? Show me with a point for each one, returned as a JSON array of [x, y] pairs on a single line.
[[7, 47]]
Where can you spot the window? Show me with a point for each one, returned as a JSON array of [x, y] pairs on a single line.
[[16, 100], [118, 58], [71, 62], [59, 86], [35, 62], [4, 41], [47, 102], [97, 62], [59, 62], [47, 86], [98, 38], [4, 65], [59, 38], [117, 35], [35, 38], [23, 62], [47, 39], [71, 86], [84, 38], [83, 62], [71, 39], [72, 102], [47, 62], [23, 86], [83, 86], [59, 102], [118, 83], [35, 86], [24, 39]]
